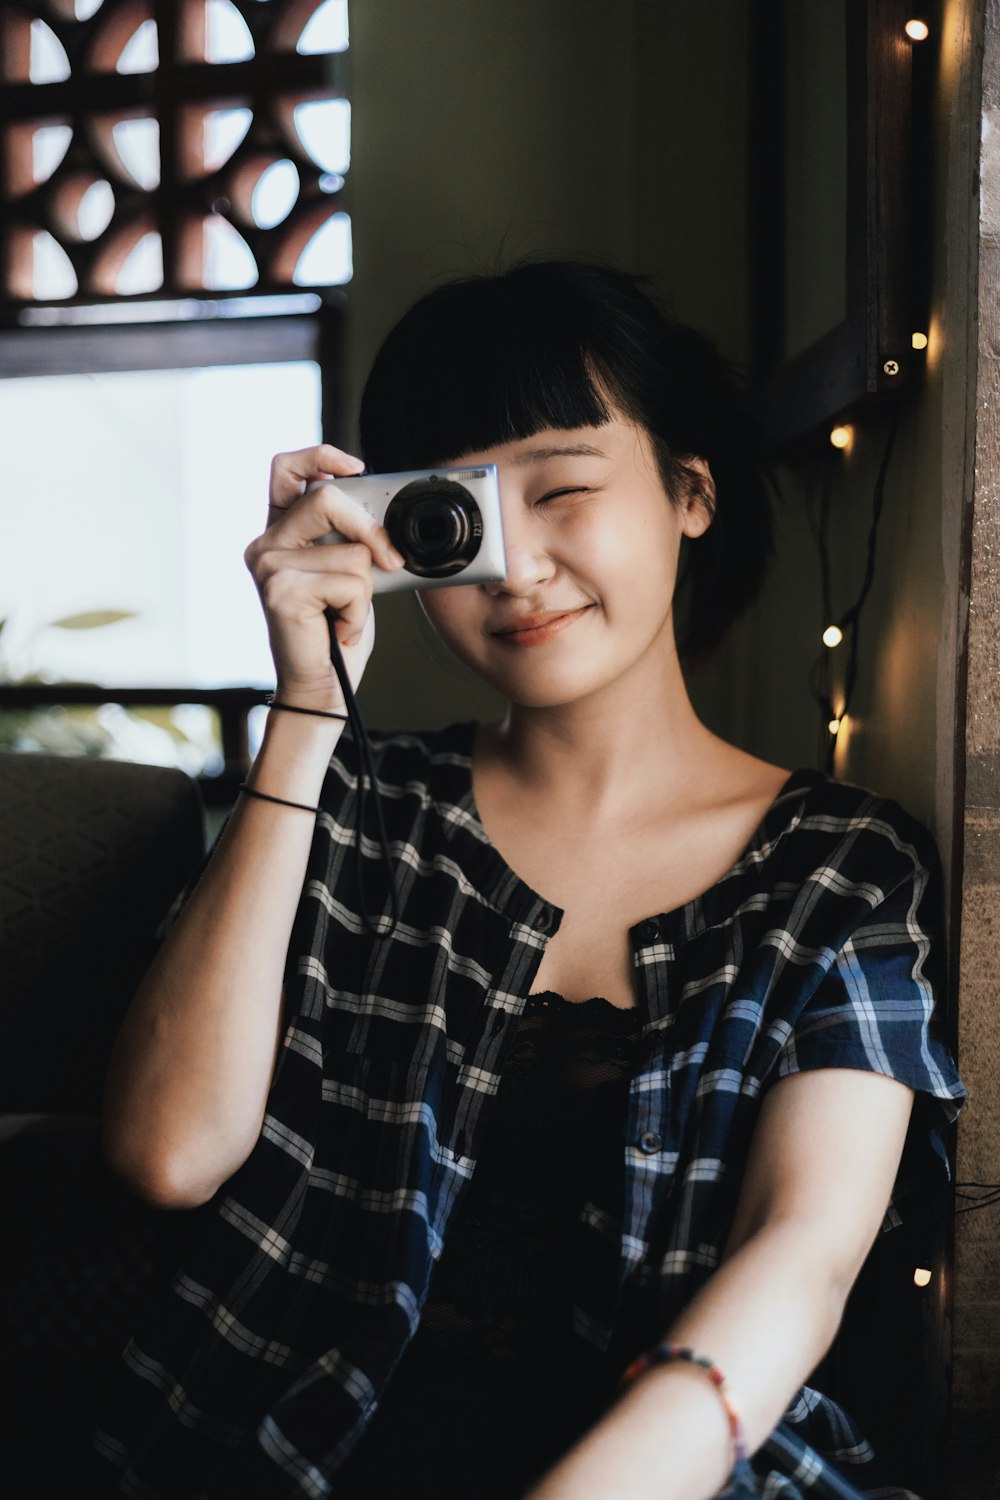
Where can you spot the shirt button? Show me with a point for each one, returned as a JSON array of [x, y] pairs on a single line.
[[648, 932], [650, 1142], [541, 922]]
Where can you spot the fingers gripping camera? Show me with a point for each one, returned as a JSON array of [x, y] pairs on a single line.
[[445, 523]]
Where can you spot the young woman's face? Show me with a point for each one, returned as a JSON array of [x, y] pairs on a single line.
[[592, 543]]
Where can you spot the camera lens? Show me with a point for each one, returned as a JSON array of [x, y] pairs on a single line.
[[436, 525]]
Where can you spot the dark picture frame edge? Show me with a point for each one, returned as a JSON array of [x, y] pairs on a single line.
[[867, 358]]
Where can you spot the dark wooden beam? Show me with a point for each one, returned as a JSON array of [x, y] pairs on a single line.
[[157, 346]]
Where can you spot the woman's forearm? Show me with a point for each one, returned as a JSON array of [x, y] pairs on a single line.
[[194, 1059], [766, 1318]]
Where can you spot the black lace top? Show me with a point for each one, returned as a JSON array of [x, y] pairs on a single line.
[[494, 1352]]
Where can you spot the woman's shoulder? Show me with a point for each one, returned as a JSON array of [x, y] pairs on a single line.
[[847, 831]]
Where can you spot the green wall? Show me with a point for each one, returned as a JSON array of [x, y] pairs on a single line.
[[483, 132]]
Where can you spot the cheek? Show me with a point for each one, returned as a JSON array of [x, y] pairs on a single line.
[[601, 543], [632, 545], [452, 614]]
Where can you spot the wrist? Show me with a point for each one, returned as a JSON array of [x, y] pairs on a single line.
[[676, 1402], [317, 697], [667, 1354], [667, 1437], [295, 753]]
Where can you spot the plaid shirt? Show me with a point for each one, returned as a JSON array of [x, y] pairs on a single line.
[[260, 1369]]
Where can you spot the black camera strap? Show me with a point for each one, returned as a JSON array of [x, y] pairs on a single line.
[[366, 771]]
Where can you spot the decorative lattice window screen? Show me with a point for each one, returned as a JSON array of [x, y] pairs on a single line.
[[171, 149]]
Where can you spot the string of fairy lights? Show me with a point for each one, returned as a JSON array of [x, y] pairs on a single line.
[[834, 712], [845, 627], [834, 697]]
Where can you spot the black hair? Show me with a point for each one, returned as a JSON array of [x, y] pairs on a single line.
[[489, 358]]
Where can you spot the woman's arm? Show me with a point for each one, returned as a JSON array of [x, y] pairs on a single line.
[[193, 1063], [820, 1173]]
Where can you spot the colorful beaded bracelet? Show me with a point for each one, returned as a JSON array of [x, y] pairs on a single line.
[[668, 1354]]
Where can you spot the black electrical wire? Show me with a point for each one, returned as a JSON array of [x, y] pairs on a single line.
[[978, 1195], [970, 1208], [850, 621], [366, 771]]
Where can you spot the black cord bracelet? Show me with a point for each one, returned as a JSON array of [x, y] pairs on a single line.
[[314, 713], [251, 791]]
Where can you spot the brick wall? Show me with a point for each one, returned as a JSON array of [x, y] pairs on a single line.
[[976, 1286]]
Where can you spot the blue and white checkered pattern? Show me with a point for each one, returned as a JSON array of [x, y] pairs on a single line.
[[819, 948]]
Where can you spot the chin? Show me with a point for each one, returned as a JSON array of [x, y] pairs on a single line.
[[542, 680]]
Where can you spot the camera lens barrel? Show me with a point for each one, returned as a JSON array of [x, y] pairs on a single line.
[[436, 526]]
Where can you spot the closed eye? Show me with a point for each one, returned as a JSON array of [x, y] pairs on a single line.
[[577, 489]]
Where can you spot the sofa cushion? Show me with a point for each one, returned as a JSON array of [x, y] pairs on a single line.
[[92, 852]]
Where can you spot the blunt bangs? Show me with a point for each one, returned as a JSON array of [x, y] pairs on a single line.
[[479, 362]]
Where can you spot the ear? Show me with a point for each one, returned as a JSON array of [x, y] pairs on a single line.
[[697, 505]]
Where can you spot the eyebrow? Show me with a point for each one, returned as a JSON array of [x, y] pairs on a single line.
[[568, 450]]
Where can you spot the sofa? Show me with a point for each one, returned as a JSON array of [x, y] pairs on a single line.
[[92, 854]]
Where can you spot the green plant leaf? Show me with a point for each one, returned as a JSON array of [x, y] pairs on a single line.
[[91, 619]]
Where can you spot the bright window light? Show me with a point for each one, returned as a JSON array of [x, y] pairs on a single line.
[[141, 53], [225, 129], [47, 60], [138, 144], [327, 258], [326, 30], [324, 128], [52, 275], [49, 144], [169, 483], [142, 269], [229, 38]]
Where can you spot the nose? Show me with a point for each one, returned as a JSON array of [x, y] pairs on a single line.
[[529, 562]]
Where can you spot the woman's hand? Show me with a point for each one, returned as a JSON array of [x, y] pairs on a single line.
[[298, 582]]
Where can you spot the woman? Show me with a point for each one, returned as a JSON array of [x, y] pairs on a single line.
[[633, 1074]]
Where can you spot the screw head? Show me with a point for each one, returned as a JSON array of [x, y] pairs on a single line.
[[890, 366]]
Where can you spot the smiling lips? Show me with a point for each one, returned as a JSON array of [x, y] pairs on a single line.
[[535, 630]]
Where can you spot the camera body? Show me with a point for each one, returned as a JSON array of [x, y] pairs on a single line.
[[446, 523]]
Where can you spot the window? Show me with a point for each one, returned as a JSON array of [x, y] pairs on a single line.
[[156, 148], [173, 240]]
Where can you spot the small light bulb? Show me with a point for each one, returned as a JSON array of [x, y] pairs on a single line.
[[833, 726], [840, 437], [921, 1276], [919, 340], [917, 31], [832, 636]]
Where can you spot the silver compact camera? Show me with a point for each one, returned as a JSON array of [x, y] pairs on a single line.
[[445, 523]]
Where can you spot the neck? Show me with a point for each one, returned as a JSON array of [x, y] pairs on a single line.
[[608, 750]]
